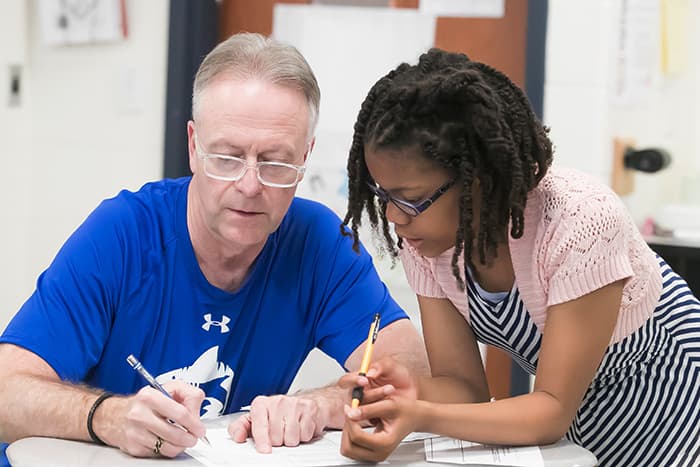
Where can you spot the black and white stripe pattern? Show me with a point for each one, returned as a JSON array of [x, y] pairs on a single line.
[[643, 407]]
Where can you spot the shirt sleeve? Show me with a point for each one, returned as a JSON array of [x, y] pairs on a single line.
[[345, 289], [588, 249], [419, 274], [67, 319]]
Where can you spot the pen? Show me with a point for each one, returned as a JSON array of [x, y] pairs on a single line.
[[138, 367], [364, 366]]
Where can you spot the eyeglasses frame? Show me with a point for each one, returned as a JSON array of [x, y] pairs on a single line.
[[205, 156], [412, 209]]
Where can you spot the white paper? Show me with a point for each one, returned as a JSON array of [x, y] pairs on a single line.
[[349, 49], [324, 451], [638, 50], [418, 436], [80, 21], [464, 8], [454, 451]]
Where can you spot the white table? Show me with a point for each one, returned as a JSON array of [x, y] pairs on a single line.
[[40, 452]]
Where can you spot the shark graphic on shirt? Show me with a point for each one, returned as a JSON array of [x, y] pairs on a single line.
[[210, 375]]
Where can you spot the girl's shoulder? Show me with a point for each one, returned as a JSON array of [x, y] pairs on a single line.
[[564, 189]]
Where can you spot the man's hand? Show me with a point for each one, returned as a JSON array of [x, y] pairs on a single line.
[[136, 424], [280, 421]]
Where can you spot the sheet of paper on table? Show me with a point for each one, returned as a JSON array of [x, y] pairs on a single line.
[[454, 451], [322, 452]]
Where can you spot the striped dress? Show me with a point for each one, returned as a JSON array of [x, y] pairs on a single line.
[[643, 406]]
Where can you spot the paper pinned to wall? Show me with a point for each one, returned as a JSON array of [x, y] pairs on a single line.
[[638, 52], [675, 16], [65, 22], [349, 49], [464, 8]]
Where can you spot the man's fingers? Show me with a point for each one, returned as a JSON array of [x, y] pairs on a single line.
[[187, 395], [165, 408], [291, 431], [260, 427], [240, 429], [277, 428], [283, 421], [307, 429]]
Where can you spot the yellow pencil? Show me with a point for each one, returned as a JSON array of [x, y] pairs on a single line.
[[364, 366]]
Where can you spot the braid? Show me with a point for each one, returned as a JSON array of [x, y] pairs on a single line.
[[468, 118], [359, 196]]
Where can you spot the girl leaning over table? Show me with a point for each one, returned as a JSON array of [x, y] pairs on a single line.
[[543, 262]]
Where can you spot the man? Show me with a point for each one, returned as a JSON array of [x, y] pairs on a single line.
[[220, 284]]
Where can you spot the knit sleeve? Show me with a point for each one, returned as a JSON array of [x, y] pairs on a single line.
[[588, 249], [419, 273]]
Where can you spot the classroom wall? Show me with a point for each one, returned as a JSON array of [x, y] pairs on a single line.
[[586, 109], [90, 123]]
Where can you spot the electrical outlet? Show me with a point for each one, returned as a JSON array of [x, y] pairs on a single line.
[[622, 180]]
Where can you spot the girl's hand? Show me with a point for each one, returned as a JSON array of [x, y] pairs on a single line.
[[385, 377], [393, 418]]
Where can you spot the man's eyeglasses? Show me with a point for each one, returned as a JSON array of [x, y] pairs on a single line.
[[412, 209], [232, 169]]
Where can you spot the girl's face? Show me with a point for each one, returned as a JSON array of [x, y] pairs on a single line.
[[406, 175]]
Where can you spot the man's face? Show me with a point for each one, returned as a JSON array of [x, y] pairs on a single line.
[[256, 121]]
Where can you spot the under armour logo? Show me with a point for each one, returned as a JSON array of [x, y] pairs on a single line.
[[208, 322]]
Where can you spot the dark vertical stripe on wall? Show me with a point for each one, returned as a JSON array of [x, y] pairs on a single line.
[[192, 34], [535, 53], [534, 88]]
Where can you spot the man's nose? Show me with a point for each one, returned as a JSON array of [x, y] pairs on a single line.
[[249, 184]]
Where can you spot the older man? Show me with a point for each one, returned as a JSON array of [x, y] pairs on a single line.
[[220, 283]]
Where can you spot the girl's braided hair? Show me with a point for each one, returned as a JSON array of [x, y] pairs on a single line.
[[470, 119]]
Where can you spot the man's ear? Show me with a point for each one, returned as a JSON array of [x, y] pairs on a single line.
[[191, 146], [311, 148]]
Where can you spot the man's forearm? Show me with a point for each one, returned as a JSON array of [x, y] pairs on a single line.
[[36, 406]]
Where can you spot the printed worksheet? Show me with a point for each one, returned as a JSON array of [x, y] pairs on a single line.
[[454, 451]]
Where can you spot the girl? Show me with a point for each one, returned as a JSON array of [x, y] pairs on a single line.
[[542, 262]]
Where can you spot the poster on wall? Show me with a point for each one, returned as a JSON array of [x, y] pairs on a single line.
[[464, 8], [638, 51], [365, 45], [72, 22]]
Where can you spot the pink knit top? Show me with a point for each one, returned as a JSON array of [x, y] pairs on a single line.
[[578, 237]]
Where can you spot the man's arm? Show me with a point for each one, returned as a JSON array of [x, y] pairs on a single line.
[[37, 403], [289, 420]]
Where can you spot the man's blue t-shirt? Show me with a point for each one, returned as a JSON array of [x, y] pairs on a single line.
[[127, 282]]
